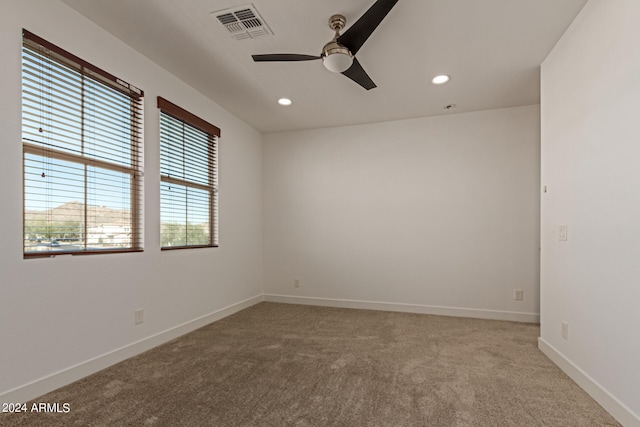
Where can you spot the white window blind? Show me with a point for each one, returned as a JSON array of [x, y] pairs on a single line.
[[188, 174], [81, 137]]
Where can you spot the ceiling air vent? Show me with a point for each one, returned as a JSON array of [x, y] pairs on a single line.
[[243, 22]]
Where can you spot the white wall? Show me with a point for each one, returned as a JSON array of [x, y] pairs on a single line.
[[60, 312], [591, 165], [433, 214]]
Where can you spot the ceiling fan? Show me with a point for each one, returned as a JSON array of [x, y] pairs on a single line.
[[338, 55]]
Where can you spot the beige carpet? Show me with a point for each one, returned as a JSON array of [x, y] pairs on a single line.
[[288, 365]]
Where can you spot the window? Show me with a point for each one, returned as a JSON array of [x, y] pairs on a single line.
[[82, 148], [189, 180]]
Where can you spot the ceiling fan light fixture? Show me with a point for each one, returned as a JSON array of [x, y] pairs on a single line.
[[336, 58], [337, 62]]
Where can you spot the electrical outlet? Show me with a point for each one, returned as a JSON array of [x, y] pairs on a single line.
[[562, 233], [139, 316], [296, 283], [565, 330], [518, 294]]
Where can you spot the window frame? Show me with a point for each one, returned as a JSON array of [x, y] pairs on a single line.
[[84, 160], [186, 118]]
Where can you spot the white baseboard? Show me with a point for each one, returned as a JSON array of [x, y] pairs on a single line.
[[66, 376], [408, 308], [612, 405]]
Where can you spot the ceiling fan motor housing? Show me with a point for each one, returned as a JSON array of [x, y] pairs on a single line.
[[336, 57]]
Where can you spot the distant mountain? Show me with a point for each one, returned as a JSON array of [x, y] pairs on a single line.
[[74, 212]]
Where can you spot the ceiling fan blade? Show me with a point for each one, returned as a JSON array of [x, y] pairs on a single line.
[[358, 33], [358, 75], [283, 57]]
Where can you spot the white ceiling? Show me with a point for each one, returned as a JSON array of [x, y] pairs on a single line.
[[492, 50]]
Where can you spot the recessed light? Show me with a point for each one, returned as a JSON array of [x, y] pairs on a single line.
[[441, 79], [284, 101]]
